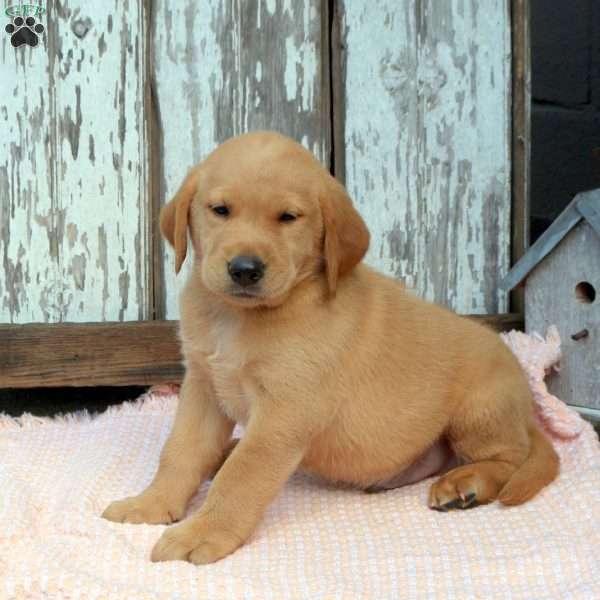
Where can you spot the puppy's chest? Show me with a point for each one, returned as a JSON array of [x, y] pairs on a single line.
[[227, 359]]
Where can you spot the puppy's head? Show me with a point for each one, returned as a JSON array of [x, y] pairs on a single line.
[[263, 215]]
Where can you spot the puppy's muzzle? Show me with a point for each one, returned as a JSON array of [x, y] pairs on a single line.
[[246, 270]]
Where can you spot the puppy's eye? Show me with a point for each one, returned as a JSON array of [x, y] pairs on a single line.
[[286, 216], [220, 210]]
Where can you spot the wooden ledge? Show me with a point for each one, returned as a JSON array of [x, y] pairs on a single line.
[[89, 354]]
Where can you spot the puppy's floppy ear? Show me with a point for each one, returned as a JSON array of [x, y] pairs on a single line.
[[174, 217], [346, 235]]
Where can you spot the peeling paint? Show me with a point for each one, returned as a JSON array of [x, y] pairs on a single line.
[[102, 266], [427, 143], [101, 46], [92, 154], [427, 140], [291, 61], [59, 183], [71, 129], [71, 234], [271, 6], [123, 292], [78, 268]]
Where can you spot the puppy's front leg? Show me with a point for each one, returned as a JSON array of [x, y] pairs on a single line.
[[192, 451], [245, 485]]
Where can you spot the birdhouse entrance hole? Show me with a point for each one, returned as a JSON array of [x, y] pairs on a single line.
[[585, 292]]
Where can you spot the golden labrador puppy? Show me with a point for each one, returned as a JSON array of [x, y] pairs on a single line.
[[330, 366]]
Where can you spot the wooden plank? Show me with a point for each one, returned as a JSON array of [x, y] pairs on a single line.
[[338, 101], [112, 354], [83, 211], [28, 260], [91, 354], [521, 138], [154, 162], [551, 299], [465, 105], [222, 68], [101, 160], [427, 143]]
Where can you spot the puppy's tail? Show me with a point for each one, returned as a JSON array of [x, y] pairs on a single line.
[[539, 469]]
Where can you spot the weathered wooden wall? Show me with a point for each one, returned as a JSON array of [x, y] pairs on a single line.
[[223, 68], [427, 142], [101, 123], [74, 207]]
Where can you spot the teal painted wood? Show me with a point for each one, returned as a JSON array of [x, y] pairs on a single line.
[[427, 142], [74, 217]]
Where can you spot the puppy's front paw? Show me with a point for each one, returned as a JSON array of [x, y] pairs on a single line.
[[145, 508], [195, 541]]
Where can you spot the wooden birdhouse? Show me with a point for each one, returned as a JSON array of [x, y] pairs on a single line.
[[561, 275]]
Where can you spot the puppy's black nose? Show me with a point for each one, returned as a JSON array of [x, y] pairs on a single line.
[[246, 270]]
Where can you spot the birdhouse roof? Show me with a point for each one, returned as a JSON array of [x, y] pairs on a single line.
[[584, 206]]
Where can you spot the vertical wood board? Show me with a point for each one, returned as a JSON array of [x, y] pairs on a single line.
[[427, 142], [224, 68], [73, 168], [521, 138], [29, 262]]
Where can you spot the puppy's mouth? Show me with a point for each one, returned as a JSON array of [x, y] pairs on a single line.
[[253, 297], [244, 294]]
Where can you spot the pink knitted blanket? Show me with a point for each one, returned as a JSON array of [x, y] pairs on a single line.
[[316, 541]]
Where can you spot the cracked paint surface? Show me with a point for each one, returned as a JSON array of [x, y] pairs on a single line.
[[427, 132], [74, 212], [427, 136]]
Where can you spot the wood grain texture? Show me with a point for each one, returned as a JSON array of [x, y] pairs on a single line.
[[337, 56], [73, 174], [90, 354], [29, 262], [112, 354], [521, 138], [427, 142], [550, 298], [223, 68]]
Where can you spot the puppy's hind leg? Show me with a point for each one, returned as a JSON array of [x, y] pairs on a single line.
[[494, 431]]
